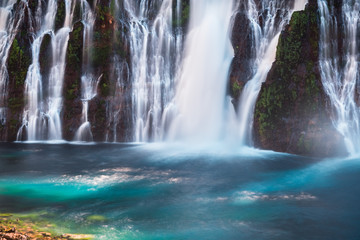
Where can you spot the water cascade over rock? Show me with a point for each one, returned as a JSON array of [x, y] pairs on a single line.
[[12, 17], [274, 74], [265, 33], [154, 49], [89, 82], [339, 65], [42, 120]]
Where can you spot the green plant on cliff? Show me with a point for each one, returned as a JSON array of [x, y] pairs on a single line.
[[60, 14], [236, 89], [289, 47], [75, 46], [18, 63], [183, 20]]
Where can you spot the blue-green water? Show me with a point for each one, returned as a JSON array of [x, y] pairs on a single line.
[[159, 191]]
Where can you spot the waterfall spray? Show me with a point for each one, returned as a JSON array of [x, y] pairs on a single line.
[[201, 91]]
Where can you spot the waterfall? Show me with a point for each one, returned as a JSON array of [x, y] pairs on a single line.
[[89, 82], [201, 91], [44, 99], [8, 28], [340, 71], [265, 40], [153, 49]]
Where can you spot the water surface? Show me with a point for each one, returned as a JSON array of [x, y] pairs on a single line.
[[156, 191]]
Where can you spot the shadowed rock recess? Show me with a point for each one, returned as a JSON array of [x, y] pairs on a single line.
[[292, 113]]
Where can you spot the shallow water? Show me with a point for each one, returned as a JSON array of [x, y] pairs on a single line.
[[155, 191]]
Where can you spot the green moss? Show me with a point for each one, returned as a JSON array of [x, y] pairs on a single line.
[[236, 89], [105, 90], [71, 93], [96, 218], [103, 12], [269, 103], [18, 63], [289, 47], [112, 7], [60, 15], [185, 15], [74, 51], [100, 55]]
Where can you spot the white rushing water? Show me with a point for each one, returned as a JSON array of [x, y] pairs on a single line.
[[265, 40], [42, 114], [340, 73], [89, 82], [153, 50], [8, 30], [201, 91]]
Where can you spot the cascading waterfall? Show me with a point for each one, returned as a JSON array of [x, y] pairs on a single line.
[[340, 73], [89, 82], [42, 114], [153, 48], [201, 92], [8, 30], [170, 90], [265, 40]]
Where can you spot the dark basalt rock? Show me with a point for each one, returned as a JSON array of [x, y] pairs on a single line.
[[240, 69], [292, 113], [45, 61]]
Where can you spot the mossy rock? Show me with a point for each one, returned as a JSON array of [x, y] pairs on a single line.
[[18, 62], [183, 20], [291, 111], [60, 14], [96, 218]]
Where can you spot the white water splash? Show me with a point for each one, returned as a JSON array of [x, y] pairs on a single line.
[[340, 73], [201, 91]]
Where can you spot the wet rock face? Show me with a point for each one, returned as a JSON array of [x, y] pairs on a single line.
[[72, 83], [240, 69], [291, 112], [18, 62]]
